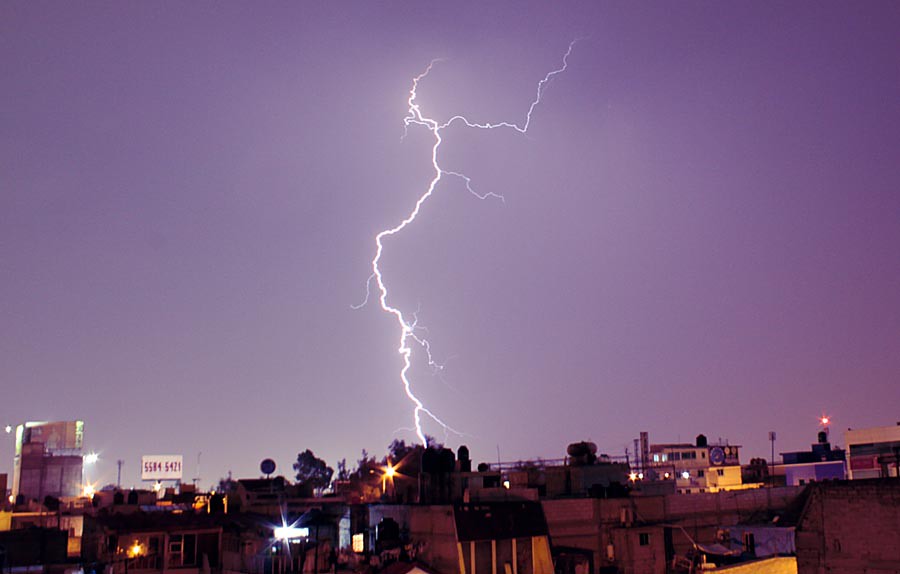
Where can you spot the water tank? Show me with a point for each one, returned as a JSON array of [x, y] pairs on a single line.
[[582, 448], [701, 440], [465, 463], [446, 460]]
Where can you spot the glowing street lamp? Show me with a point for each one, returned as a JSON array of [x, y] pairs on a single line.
[[389, 472], [290, 532], [135, 550], [88, 460], [8, 429]]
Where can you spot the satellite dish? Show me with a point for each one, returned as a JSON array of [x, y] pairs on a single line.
[[267, 466]]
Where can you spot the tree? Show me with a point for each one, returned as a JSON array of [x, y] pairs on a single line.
[[342, 472], [312, 471]]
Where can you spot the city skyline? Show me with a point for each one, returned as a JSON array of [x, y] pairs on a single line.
[[698, 234]]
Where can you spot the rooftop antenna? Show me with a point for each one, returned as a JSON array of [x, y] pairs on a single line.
[[196, 480], [119, 464]]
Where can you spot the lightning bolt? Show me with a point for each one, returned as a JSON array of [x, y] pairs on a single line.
[[408, 335]]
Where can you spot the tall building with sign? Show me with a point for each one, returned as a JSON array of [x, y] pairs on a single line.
[[48, 460]]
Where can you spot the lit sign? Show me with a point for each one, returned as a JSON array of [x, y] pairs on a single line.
[[161, 467]]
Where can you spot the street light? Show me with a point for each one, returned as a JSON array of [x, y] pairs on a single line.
[[87, 460], [389, 472], [134, 551]]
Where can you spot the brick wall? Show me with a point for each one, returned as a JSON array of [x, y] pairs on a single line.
[[850, 526]]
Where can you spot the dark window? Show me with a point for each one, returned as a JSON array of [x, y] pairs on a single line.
[[190, 550], [701, 473], [720, 472], [644, 539], [749, 543]]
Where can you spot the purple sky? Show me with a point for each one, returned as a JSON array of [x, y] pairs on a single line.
[[701, 230]]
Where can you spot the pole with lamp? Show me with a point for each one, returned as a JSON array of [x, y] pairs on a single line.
[[136, 550], [87, 460], [388, 474]]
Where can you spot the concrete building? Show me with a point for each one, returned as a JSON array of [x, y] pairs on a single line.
[[850, 527], [821, 462], [873, 452], [48, 460], [649, 534], [695, 468]]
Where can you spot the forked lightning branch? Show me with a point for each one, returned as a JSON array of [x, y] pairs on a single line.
[[416, 118]]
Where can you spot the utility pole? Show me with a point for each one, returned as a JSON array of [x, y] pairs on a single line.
[[196, 480], [119, 464], [772, 460]]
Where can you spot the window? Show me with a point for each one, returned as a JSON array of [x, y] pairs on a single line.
[[720, 471], [676, 456], [359, 543], [664, 457], [644, 539], [701, 473], [703, 454], [182, 550], [655, 458]]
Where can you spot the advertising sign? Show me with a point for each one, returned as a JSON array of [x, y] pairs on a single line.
[[161, 467]]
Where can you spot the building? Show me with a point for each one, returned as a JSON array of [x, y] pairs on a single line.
[[648, 534], [821, 462], [873, 452], [850, 527], [48, 460], [695, 468]]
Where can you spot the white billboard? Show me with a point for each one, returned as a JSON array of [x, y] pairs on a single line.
[[161, 467]]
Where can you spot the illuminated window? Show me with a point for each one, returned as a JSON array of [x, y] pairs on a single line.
[[359, 543], [655, 458]]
